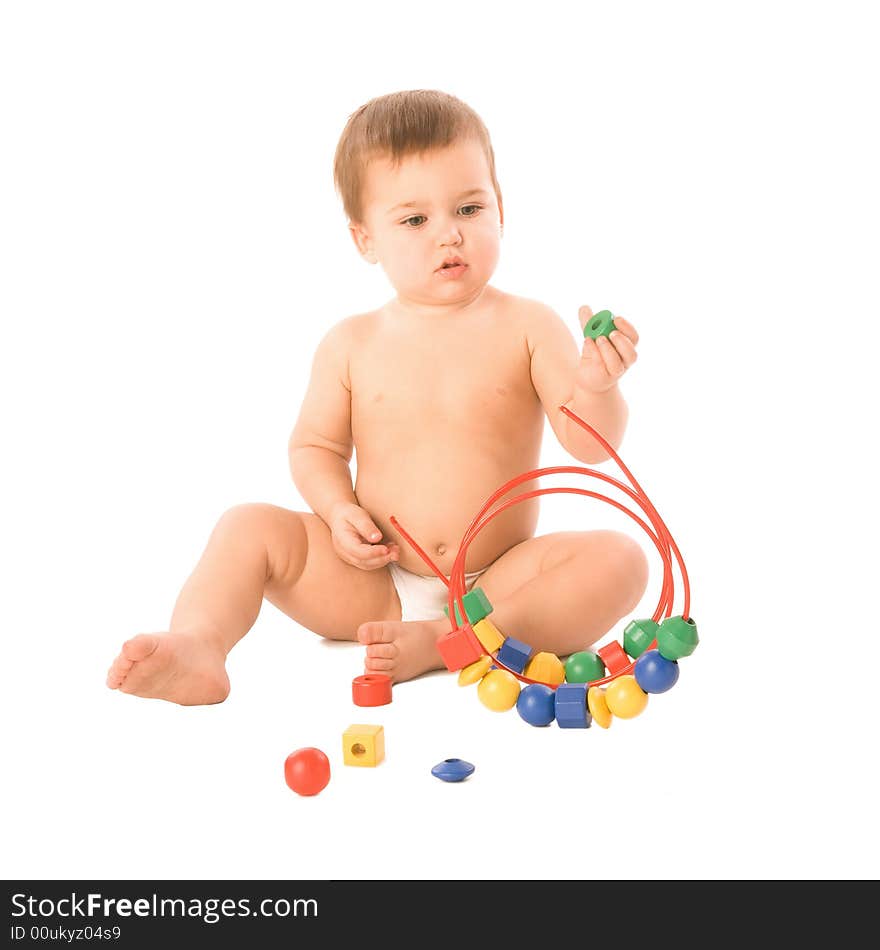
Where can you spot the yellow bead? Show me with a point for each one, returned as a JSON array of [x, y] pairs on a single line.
[[363, 745], [545, 668], [488, 634], [598, 707], [474, 672], [498, 690], [625, 698]]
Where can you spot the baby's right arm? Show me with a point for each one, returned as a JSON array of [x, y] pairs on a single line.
[[320, 449]]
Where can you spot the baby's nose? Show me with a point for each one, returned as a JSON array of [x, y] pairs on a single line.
[[450, 232], [451, 236]]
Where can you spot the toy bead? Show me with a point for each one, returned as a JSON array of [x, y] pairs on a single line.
[[598, 707], [363, 745], [514, 654], [307, 771], [475, 672], [459, 648], [600, 324], [371, 689], [498, 690], [677, 637], [654, 673], [613, 657], [488, 634], [545, 668], [476, 606], [638, 636], [625, 698], [571, 706], [537, 704], [584, 667], [452, 770]]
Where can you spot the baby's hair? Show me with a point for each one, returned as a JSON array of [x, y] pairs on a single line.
[[397, 125]]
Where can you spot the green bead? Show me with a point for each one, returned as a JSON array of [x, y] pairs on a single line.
[[584, 667], [638, 636], [476, 606], [677, 637], [600, 324]]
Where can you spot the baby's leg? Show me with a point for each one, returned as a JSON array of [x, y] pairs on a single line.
[[559, 592], [562, 592], [255, 551]]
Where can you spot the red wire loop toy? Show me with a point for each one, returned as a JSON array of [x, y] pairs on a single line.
[[674, 647]]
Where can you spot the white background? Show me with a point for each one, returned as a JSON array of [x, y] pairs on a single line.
[[172, 251]]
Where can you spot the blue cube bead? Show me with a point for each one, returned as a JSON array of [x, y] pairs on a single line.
[[571, 706], [514, 654]]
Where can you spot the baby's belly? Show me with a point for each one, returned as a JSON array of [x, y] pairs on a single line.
[[435, 499]]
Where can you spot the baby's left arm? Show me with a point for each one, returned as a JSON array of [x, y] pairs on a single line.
[[587, 384]]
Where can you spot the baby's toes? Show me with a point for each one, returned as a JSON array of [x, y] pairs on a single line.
[[140, 647], [382, 651], [375, 631], [118, 670], [378, 664]]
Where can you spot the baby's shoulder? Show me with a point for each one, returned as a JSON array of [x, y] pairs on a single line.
[[530, 309], [350, 330], [532, 317]]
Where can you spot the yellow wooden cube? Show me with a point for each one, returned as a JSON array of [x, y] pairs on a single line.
[[363, 745], [488, 634]]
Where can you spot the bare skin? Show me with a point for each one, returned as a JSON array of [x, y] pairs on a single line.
[[443, 394]]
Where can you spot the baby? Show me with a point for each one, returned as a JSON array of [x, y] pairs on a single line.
[[441, 393]]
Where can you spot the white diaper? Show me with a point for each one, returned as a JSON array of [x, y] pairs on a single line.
[[421, 597]]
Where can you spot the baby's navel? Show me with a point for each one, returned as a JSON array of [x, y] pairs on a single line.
[[441, 548]]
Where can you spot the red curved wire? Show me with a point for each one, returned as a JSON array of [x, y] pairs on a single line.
[[478, 524], [662, 539]]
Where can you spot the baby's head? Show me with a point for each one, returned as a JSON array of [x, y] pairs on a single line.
[[416, 174]]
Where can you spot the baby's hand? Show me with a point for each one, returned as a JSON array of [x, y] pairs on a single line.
[[605, 360], [355, 538]]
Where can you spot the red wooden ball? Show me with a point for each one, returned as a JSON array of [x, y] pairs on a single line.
[[307, 771]]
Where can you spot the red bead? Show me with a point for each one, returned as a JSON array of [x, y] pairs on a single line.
[[459, 648], [371, 689], [613, 657], [307, 771]]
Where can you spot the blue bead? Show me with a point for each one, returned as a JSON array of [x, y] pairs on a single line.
[[452, 770], [514, 654], [654, 673], [571, 706], [537, 704]]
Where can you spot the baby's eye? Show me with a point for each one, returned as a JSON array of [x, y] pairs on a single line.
[[475, 207], [414, 218]]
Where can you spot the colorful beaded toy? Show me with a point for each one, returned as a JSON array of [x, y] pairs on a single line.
[[591, 686]]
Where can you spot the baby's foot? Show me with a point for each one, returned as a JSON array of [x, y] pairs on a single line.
[[402, 650], [182, 668]]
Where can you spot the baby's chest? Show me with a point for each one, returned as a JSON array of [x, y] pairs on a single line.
[[439, 380]]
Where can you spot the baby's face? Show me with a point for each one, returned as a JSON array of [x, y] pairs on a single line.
[[450, 209]]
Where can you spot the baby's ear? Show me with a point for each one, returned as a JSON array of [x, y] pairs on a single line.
[[361, 241]]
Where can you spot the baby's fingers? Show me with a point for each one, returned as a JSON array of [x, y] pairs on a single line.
[[627, 329], [368, 556], [624, 347], [363, 524], [585, 314], [610, 356]]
